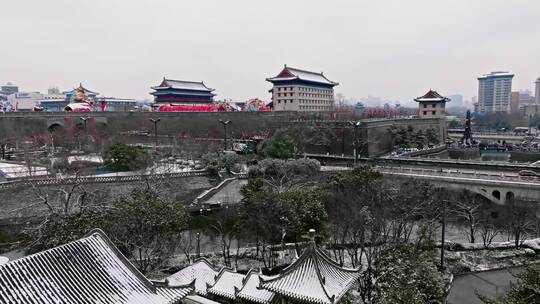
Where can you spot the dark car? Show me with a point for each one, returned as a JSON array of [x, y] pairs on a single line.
[[527, 173]]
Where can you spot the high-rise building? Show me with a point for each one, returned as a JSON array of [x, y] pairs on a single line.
[[537, 91], [525, 97], [8, 89], [494, 92], [457, 100], [300, 90], [514, 102]]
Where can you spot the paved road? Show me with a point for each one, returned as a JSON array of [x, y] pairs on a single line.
[[460, 173], [230, 194], [490, 283]]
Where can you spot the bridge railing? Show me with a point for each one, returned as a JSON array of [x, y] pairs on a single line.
[[98, 179], [459, 174]]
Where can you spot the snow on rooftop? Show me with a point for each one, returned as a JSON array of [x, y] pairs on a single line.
[[89, 270], [496, 74], [183, 85], [251, 290], [3, 260], [194, 299], [290, 73], [202, 271], [227, 282], [13, 171], [313, 278], [85, 158]]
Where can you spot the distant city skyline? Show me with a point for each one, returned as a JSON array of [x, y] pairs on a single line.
[[382, 48]]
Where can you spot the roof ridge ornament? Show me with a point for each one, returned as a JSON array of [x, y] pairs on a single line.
[[312, 236]]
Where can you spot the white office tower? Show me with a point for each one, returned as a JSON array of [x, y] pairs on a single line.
[[494, 92]]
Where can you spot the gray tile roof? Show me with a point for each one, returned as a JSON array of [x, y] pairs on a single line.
[[89, 270], [227, 282], [182, 85], [251, 290], [202, 271], [313, 278], [290, 73], [432, 96]]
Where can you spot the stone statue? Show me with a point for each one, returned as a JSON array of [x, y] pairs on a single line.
[[467, 133]]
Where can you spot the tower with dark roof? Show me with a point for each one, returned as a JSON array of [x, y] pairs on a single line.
[[431, 105], [179, 92], [300, 90]]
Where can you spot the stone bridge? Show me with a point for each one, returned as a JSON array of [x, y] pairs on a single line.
[[498, 188]]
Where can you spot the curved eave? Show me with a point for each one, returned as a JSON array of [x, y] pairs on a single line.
[[303, 298], [170, 88], [278, 80], [208, 94], [212, 290], [439, 100], [318, 257]]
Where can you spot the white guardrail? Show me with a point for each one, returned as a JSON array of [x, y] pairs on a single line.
[[460, 174]]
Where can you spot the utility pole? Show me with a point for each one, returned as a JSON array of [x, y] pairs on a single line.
[[155, 122], [355, 125], [225, 123]]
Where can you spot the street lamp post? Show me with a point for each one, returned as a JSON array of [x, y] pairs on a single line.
[[155, 122], [198, 245], [225, 123], [355, 125], [343, 142]]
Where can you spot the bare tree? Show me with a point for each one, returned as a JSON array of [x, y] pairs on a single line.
[[520, 222], [488, 232], [467, 208]]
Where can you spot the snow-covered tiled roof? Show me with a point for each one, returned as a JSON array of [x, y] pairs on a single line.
[[89, 270], [202, 271], [13, 171], [432, 96], [289, 73], [251, 290], [195, 299], [182, 85], [227, 283], [313, 278]]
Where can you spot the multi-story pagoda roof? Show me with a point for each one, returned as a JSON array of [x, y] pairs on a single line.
[[432, 96], [89, 270], [227, 283], [251, 291], [201, 271], [171, 85], [313, 278], [291, 74]]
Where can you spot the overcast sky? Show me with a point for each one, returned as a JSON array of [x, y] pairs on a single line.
[[391, 48]]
